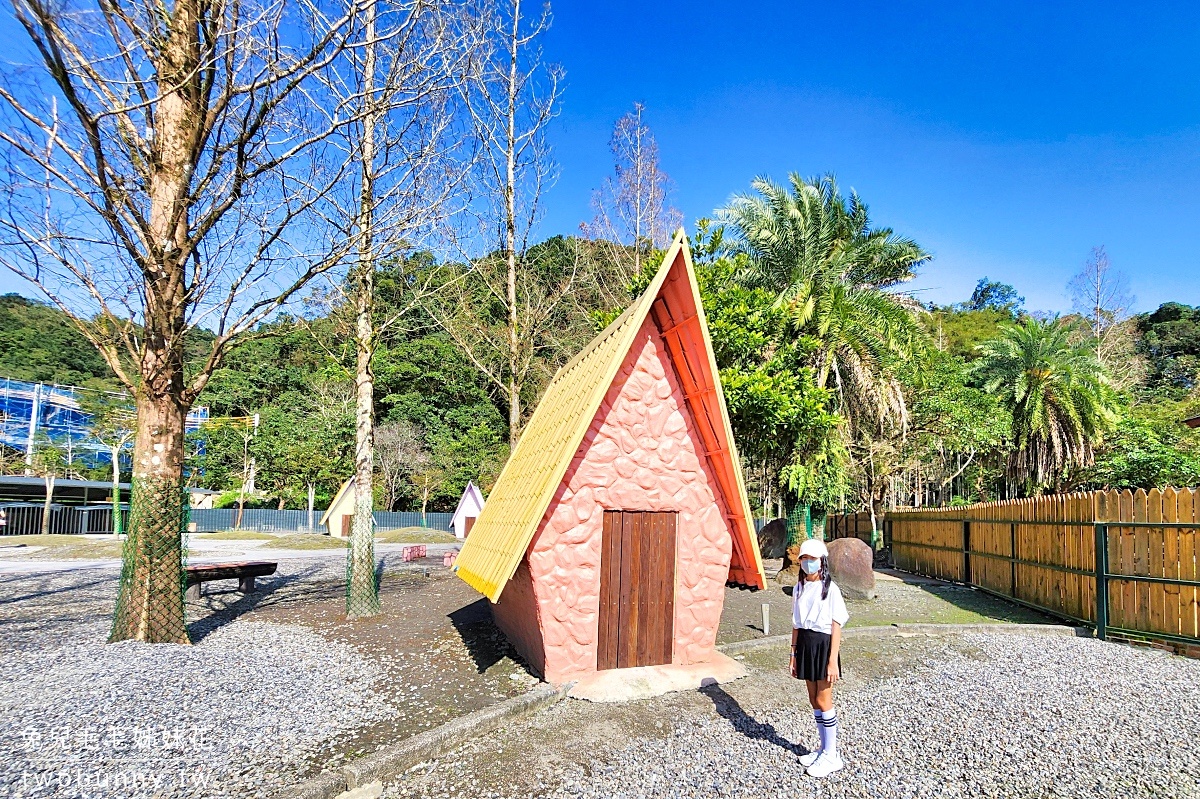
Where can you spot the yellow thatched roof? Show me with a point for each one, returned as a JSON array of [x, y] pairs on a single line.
[[536, 468]]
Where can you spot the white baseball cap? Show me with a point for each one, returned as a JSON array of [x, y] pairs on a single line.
[[814, 547]]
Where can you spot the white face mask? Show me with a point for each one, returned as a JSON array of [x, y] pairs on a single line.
[[810, 566]]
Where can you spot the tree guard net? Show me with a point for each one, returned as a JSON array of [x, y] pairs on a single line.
[[153, 577], [362, 586]]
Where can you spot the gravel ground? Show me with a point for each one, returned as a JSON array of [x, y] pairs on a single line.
[[239, 713], [989, 715], [901, 598]]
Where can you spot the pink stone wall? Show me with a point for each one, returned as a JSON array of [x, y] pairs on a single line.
[[516, 616], [640, 453]]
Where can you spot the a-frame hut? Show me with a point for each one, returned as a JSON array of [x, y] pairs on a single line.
[[339, 514], [622, 513], [469, 506]]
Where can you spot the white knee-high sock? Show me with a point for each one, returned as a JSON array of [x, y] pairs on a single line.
[[827, 722], [820, 730]]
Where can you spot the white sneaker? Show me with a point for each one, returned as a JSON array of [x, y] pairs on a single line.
[[825, 765], [810, 758]]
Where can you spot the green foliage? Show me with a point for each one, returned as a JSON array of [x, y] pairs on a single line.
[[830, 272], [1170, 341], [817, 252], [39, 344], [954, 430], [773, 401], [821, 477], [49, 457], [1060, 400], [947, 412], [428, 382], [992, 295], [1150, 448], [833, 392], [959, 333], [304, 399]]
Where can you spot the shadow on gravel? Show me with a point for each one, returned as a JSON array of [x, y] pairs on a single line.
[[45, 577], [483, 640], [727, 707], [265, 593]]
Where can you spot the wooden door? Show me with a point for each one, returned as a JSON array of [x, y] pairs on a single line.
[[468, 523], [637, 589], [347, 521]]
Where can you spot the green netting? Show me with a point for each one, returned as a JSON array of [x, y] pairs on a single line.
[[153, 579], [362, 588], [799, 523]]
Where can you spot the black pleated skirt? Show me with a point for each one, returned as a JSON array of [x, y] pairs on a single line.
[[812, 655]]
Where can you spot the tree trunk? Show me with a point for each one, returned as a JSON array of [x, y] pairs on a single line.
[[362, 593], [49, 481], [510, 236], [116, 491], [150, 601], [817, 517]]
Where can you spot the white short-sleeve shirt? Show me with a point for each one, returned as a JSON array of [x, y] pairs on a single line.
[[810, 612]]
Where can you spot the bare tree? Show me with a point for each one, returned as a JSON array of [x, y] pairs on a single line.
[[399, 78], [49, 462], [631, 208], [1101, 294], [157, 163], [114, 425], [511, 97], [400, 452]]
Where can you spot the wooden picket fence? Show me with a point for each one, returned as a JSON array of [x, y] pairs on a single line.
[[1042, 552], [848, 525]]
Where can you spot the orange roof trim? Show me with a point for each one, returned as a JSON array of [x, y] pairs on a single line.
[[536, 468]]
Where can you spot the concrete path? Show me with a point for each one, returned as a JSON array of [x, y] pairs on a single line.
[[200, 552]]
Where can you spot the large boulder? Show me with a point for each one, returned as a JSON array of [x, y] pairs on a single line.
[[790, 573], [850, 564], [772, 539]]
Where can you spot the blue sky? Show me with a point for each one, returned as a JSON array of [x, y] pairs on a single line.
[[1007, 138]]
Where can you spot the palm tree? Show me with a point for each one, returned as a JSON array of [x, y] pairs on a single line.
[[1061, 402], [818, 252]]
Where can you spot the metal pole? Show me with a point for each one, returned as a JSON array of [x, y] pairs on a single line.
[[1101, 580], [312, 498]]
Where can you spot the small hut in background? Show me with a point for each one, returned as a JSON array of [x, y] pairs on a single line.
[[622, 513], [469, 506], [337, 518]]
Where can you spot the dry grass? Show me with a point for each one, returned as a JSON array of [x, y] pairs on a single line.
[[236, 535], [63, 547], [415, 535], [304, 541]]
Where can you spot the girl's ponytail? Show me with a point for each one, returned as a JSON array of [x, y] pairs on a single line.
[[825, 576]]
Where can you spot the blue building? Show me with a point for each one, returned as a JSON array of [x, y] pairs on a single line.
[[31, 411]]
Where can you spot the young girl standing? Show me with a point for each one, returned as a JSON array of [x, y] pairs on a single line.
[[818, 615]]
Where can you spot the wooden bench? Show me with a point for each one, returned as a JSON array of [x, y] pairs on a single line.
[[244, 573]]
